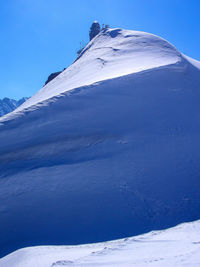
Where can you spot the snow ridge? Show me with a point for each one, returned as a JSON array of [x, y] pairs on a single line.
[[112, 53], [177, 246]]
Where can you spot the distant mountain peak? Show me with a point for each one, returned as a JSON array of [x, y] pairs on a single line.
[[7, 105]]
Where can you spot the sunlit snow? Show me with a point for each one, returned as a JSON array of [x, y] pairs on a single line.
[[178, 246]]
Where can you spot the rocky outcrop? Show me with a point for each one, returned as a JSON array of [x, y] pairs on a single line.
[[52, 76]]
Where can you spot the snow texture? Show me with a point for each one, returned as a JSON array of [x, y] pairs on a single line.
[[113, 53], [110, 148], [178, 246]]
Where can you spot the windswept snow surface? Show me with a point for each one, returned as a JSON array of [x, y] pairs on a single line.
[[113, 53], [178, 246], [115, 158]]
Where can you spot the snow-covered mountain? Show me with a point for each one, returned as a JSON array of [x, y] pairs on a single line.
[[178, 246], [8, 105], [113, 53], [107, 149]]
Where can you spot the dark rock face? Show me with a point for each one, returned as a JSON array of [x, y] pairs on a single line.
[[94, 30], [52, 76], [8, 105]]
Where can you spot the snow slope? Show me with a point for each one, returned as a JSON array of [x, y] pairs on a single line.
[[116, 156], [113, 53], [178, 246]]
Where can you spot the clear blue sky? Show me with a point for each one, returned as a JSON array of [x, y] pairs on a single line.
[[38, 37]]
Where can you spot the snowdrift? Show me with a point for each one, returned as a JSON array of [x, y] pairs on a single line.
[[108, 149], [178, 246], [113, 53]]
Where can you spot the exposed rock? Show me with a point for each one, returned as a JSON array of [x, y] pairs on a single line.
[[52, 76]]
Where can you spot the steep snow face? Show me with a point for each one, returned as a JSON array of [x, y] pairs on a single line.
[[178, 246], [113, 53], [111, 159]]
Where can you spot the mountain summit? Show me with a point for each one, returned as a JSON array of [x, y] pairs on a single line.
[[112, 53], [107, 149]]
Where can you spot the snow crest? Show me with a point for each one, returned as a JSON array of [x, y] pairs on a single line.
[[111, 54], [178, 246]]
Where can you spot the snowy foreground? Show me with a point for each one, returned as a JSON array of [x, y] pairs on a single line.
[[178, 246]]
